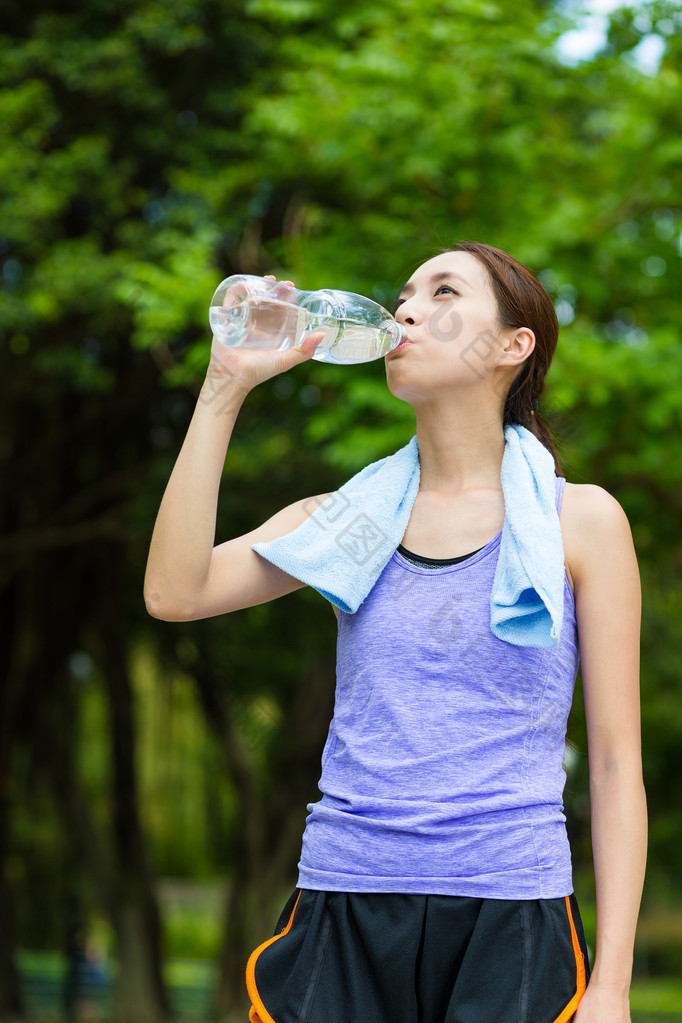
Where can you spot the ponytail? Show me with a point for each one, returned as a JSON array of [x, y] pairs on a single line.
[[521, 408]]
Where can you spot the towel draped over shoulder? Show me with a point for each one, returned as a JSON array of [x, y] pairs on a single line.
[[342, 547]]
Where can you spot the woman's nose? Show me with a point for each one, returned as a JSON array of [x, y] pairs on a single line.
[[407, 312]]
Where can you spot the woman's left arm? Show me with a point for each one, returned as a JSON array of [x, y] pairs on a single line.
[[608, 614]]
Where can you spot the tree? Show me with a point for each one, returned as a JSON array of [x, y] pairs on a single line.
[[151, 149]]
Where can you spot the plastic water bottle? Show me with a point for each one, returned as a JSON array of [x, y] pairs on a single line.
[[252, 312]]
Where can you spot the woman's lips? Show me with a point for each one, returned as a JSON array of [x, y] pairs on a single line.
[[405, 343]]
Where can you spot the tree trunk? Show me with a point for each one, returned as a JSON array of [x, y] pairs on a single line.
[[11, 1004], [272, 798], [140, 994], [244, 906], [12, 692]]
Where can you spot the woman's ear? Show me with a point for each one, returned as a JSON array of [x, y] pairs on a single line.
[[518, 346]]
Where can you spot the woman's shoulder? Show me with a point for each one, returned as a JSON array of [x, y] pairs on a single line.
[[591, 520], [588, 504]]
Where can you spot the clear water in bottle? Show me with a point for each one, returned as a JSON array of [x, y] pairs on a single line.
[[254, 313], [271, 323], [346, 343]]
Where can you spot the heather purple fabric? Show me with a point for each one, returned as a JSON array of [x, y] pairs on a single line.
[[442, 771]]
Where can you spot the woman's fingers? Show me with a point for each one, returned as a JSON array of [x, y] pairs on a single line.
[[271, 277], [310, 342]]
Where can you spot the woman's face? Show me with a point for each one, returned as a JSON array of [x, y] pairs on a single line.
[[450, 317]]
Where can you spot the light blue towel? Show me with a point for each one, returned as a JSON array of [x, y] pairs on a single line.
[[344, 544]]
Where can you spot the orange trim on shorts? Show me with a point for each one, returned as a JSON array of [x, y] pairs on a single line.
[[580, 985], [258, 1013]]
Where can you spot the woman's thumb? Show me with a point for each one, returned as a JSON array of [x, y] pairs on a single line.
[[309, 344]]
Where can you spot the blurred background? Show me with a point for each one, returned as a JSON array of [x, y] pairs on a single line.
[[153, 776]]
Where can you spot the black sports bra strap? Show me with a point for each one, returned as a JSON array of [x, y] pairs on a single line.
[[417, 559]]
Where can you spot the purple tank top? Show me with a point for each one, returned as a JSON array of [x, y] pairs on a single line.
[[443, 769]]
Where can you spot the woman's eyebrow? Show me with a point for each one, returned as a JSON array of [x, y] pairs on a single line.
[[444, 275]]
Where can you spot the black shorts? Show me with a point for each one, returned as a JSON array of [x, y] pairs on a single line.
[[357, 957]]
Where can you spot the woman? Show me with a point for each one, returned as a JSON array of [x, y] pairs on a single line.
[[434, 881]]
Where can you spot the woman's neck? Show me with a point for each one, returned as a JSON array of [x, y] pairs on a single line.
[[458, 451]]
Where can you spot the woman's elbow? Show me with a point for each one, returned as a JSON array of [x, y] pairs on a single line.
[[167, 610], [624, 770]]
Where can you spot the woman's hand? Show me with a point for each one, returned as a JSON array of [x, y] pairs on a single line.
[[247, 368], [603, 1004]]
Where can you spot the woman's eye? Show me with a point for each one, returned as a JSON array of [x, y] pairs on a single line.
[[443, 287]]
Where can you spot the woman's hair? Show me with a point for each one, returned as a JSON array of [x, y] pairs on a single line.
[[521, 302]]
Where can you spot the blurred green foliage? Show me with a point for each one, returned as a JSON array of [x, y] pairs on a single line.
[[149, 149]]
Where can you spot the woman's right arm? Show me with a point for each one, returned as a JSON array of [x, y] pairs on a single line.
[[187, 577]]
